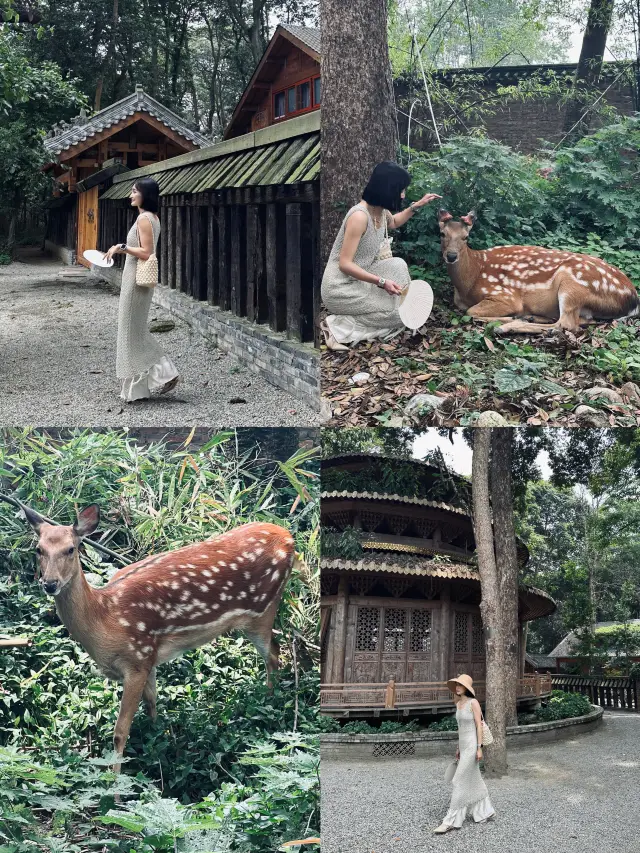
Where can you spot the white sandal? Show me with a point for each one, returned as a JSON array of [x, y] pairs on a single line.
[[444, 827], [329, 340]]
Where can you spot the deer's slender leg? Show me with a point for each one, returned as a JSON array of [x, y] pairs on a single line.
[[134, 684], [492, 310], [149, 694], [261, 635]]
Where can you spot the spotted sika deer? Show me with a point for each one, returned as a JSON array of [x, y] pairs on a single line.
[[515, 281], [157, 608]]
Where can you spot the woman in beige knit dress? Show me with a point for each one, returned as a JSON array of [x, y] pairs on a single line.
[[140, 360], [470, 797], [360, 291]]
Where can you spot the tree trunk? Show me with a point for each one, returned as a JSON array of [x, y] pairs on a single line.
[[589, 67], [504, 535], [358, 111], [107, 58], [490, 607]]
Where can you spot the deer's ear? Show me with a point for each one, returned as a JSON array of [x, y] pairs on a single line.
[[87, 522], [470, 218], [33, 518], [443, 216]]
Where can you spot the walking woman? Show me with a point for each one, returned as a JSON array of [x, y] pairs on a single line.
[[470, 796], [140, 360], [369, 293]]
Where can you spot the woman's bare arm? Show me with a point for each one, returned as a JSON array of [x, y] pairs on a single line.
[[477, 718], [399, 219], [145, 235]]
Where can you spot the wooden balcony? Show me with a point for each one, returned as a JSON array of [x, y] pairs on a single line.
[[418, 697]]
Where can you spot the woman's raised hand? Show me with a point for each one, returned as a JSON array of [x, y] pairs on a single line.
[[426, 199], [392, 287], [114, 250], [479, 754]]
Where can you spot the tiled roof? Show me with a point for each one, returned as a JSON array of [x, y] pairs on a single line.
[[565, 648], [309, 35], [382, 496], [67, 134]]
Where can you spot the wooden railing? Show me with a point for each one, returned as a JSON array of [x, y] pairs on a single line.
[[396, 695], [613, 692]]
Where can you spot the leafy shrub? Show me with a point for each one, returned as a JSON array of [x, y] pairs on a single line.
[[341, 543], [561, 706], [446, 724], [387, 727]]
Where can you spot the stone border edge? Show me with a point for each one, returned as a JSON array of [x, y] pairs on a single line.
[[421, 737]]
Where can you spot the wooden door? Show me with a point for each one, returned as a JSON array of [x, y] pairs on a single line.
[[87, 223], [468, 645], [392, 641]]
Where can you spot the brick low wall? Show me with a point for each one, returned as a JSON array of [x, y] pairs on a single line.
[[342, 747], [289, 365]]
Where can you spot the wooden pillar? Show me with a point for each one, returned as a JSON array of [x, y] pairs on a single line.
[[294, 271], [224, 272], [189, 246], [255, 263], [274, 261], [238, 248], [340, 633], [212, 255], [179, 240], [317, 269], [522, 648], [445, 633], [171, 246], [164, 242]]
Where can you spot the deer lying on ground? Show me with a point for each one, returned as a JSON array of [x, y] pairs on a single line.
[[515, 281], [155, 609]]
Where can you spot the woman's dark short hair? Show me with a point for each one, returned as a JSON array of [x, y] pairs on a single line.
[[468, 693], [385, 186], [150, 192]]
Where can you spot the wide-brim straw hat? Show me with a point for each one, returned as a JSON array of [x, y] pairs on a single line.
[[466, 682], [416, 302]]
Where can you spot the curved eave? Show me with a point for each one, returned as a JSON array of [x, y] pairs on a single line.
[[534, 603], [383, 496]]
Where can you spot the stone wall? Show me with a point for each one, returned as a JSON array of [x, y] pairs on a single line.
[[66, 255], [290, 365], [521, 124], [338, 747]]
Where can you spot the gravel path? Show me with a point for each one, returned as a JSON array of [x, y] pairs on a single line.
[[580, 795], [57, 362]]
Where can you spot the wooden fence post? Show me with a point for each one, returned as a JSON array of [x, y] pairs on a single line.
[[390, 695]]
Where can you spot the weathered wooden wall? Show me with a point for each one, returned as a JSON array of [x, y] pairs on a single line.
[[252, 251], [61, 223]]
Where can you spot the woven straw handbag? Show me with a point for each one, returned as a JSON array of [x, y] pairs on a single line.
[[385, 252], [147, 271], [487, 737]]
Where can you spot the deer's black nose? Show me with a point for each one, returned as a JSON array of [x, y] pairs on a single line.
[[50, 587], [452, 256]]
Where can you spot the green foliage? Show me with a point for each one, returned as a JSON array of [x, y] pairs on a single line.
[[446, 724], [388, 727], [560, 706], [213, 702], [341, 543]]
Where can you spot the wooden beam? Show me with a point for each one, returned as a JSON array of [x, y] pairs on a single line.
[[189, 250], [212, 255], [275, 267], [178, 140], [224, 259], [171, 246], [294, 271], [179, 268]]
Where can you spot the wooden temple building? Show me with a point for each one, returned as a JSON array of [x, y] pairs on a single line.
[[87, 152], [400, 605]]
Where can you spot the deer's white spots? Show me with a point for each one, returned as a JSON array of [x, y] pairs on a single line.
[[147, 649], [259, 551], [275, 575], [242, 594], [206, 573], [211, 582], [203, 587], [252, 588], [185, 595], [141, 626], [191, 574], [251, 539], [233, 566], [124, 623], [221, 563], [215, 606], [275, 560], [223, 596], [189, 566], [281, 554], [229, 584], [175, 585], [247, 575]]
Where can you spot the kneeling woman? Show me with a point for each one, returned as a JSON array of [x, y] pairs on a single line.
[[470, 796], [365, 289]]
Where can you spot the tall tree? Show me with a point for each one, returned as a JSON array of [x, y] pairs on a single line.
[[504, 535], [589, 67], [490, 606], [358, 111]]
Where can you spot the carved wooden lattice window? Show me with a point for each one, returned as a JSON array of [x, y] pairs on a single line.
[[461, 634], [395, 629], [367, 629], [477, 642], [421, 631]]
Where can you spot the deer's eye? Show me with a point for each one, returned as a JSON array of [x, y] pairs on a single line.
[[71, 550], [39, 551]]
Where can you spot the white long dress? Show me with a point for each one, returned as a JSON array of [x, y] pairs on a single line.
[[470, 796], [140, 360]]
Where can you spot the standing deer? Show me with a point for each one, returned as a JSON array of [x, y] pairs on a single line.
[[511, 281], [155, 609]]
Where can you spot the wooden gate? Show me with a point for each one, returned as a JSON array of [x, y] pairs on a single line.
[[390, 642], [87, 223]]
